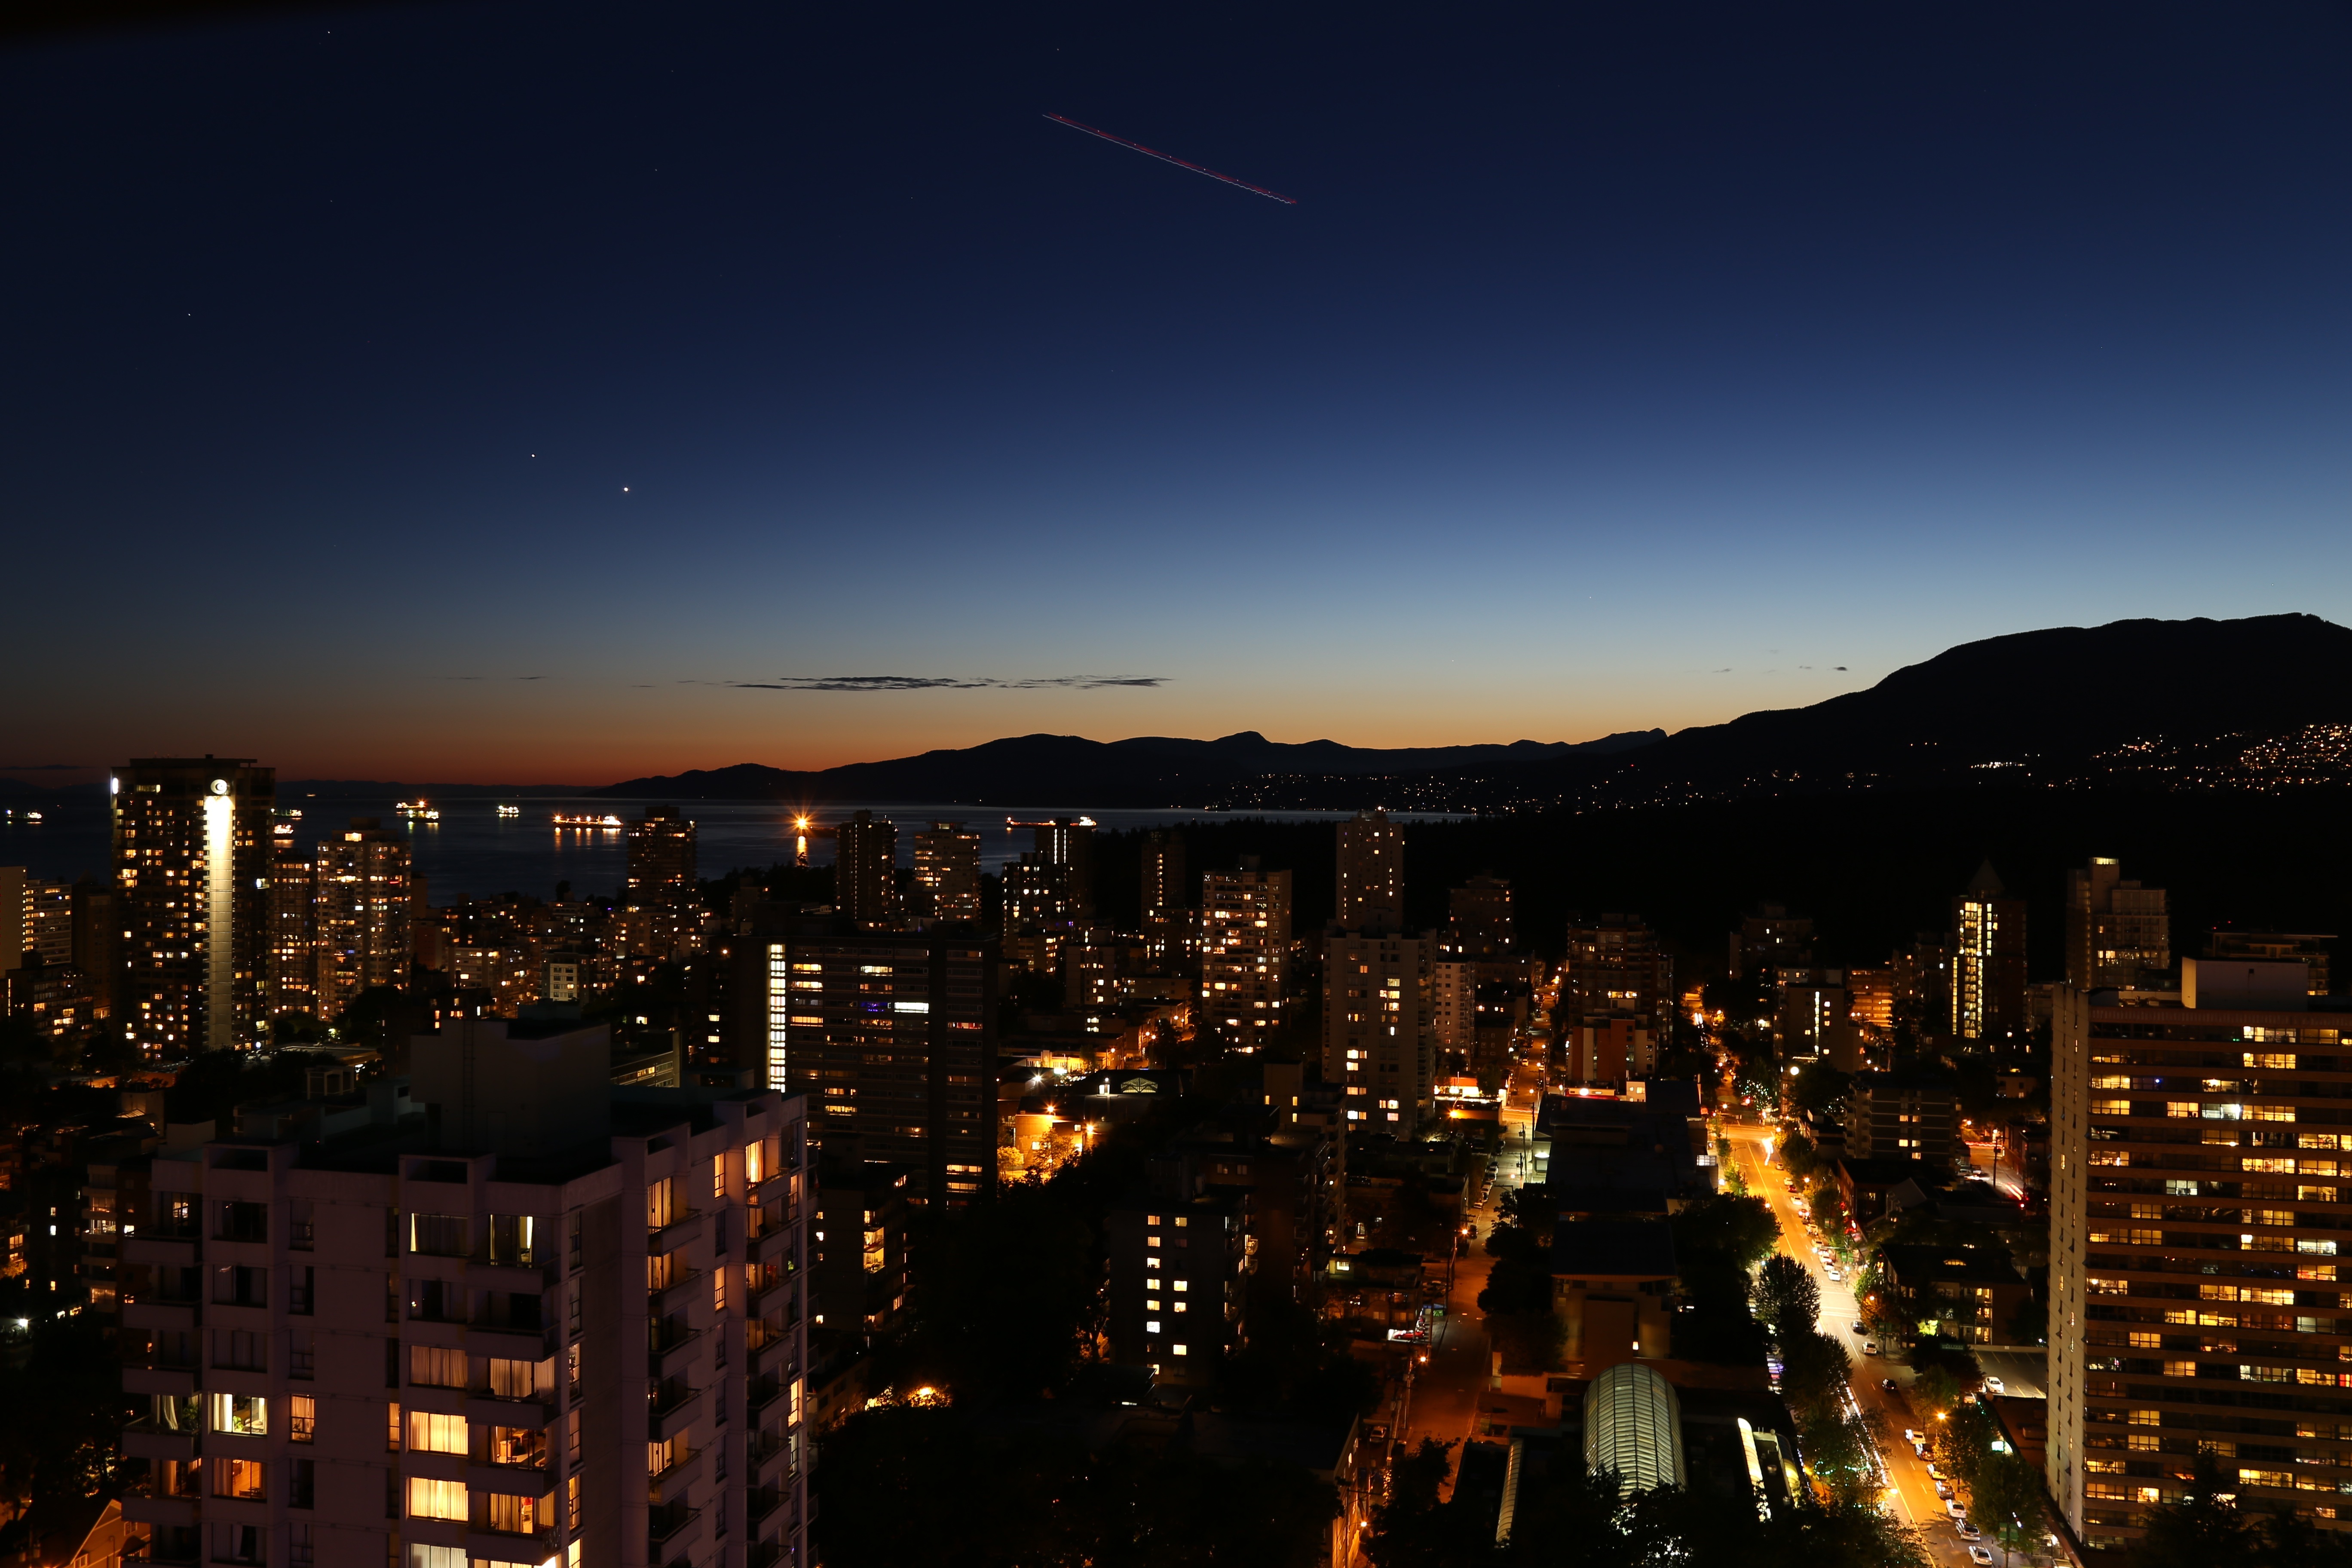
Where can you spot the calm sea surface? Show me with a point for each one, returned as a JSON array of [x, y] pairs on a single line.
[[473, 852]]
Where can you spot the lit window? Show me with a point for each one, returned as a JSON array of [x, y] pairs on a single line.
[[247, 1415], [436, 1433], [430, 1498]]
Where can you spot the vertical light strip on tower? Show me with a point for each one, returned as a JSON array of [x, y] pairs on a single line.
[[220, 919]]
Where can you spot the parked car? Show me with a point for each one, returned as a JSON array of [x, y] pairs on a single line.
[[1952, 1506], [1944, 1490], [1981, 1555], [1936, 1473], [1913, 1435], [1969, 1531], [1870, 1347], [1860, 1330]]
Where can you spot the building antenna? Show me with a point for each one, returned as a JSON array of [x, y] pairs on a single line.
[[1171, 158]]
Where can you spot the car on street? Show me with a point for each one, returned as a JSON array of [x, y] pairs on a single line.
[[1913, 1435], [1952, 1506], [1870, 1347], [1969, 1531], [1860, 1330], [1887, 1384], [1936, 1473], [1995, 1385], [1981, 1555], [1944, 1492], [1831, 1270]]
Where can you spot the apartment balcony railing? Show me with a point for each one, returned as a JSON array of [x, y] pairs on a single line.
[[663, 1523]]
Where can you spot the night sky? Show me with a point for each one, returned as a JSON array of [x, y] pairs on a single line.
[[535, 393]]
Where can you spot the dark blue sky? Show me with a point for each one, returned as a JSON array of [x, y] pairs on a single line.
[[1618, 366]]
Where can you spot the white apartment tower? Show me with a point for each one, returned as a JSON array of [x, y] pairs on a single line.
[[546, 1324]]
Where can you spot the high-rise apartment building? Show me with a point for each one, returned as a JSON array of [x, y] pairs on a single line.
[[866, 870], [1170, 924], [1380, 1027], [1478, 921], [97, 938], [1453, 1004], [2309, 949], [1038, 911], [1890, 1117], [946, 874], [13, 881], [1988, 960], [1069, 841], [1769, 938], [892, 1037], [2197, 1295], [546, 1321], [1164, 885], [1608, 1048], [192, 846], [1615, 965], [1869, 997], [1371, 874], [1923, 984], [1245, 952], [292, 971], [1808, 1005], [49, 920], [661, 879], [359, 913], [2118, 933]]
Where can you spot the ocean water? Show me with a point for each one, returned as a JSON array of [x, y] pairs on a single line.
[[473, 852]]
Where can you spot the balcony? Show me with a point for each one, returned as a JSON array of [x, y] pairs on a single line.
[[153, 1314], [674, 1409], [775, 1358], [774, 1246], [500, 1275], [145, 1440], [509, 1344], [670, 1300], [161, 1251], [765, 1302], [670, 1348], [664, 1525], [770, 1459], [764, 1501], [533, 1410], [671, 1485], [686, 1227]]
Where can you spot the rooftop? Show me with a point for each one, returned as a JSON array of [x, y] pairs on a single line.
[[1612, 1249]]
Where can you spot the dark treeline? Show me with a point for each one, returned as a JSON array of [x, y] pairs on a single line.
[[1871, 867]]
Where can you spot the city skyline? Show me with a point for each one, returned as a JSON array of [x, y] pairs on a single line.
[[1612, 372]]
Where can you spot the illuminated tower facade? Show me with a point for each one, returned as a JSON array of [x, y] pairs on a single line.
[[292, 972], [865, 870], [360, 913], [1371, 874], [947, 871], [1988, 960], [661, 882], [191, 851], [1245, 952]]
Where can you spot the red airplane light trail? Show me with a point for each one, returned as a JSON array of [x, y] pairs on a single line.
[[1171, 158]]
